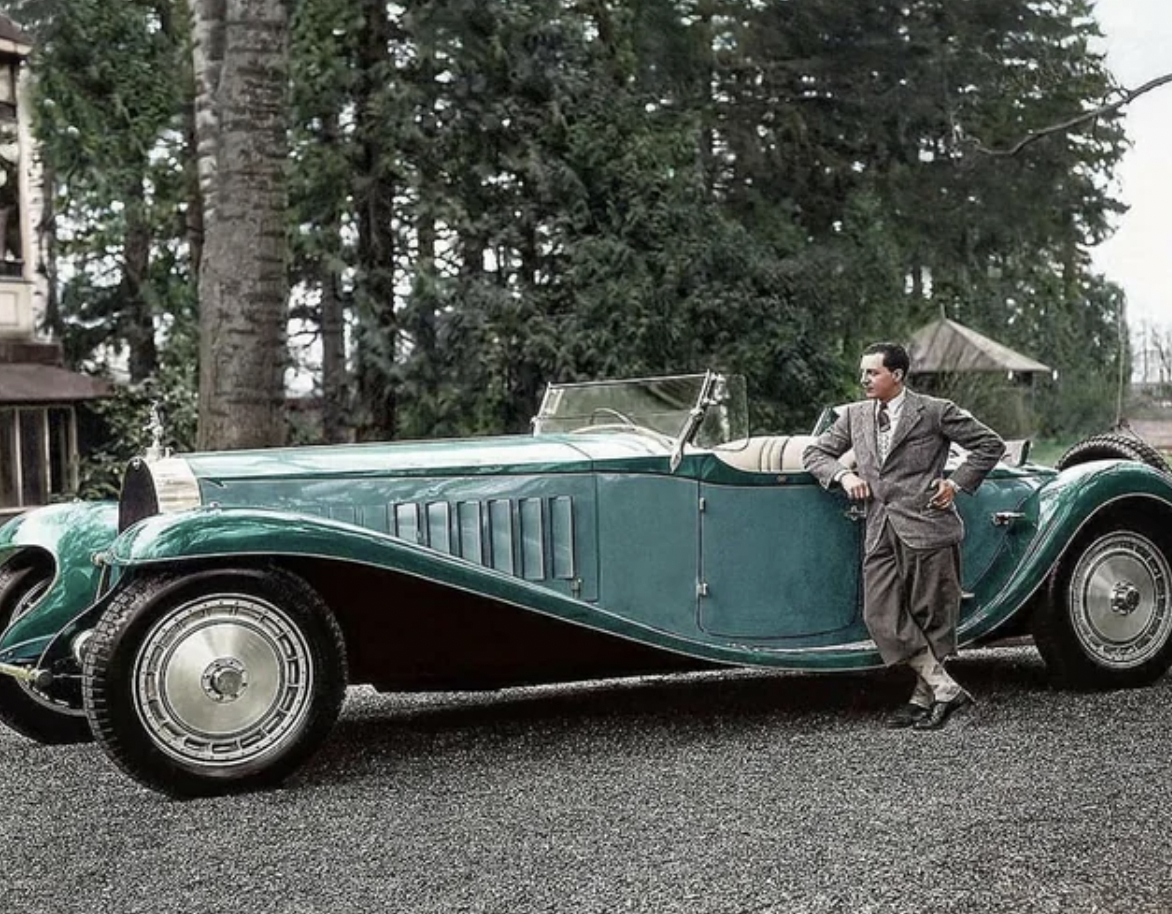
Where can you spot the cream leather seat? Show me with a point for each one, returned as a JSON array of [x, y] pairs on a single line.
[[771, 453]]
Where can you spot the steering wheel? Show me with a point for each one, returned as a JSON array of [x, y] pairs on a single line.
[[663, 439], [607, 411]]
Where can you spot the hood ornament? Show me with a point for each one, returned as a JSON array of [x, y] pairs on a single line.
[[156, 450]]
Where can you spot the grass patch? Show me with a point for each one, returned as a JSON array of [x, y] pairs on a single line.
[[1046, 451]]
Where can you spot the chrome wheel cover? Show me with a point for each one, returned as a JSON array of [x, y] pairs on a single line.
[[1121, 601], [23, 605], [222, 681]]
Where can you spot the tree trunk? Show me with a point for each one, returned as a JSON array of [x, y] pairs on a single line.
[[47, 230], [333, 357], [378, 329], [705, 14], [193, 219], [136, 255], [327, 269], [241, 72], [178, 29], [422, 312]]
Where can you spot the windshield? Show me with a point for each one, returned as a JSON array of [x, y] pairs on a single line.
[[663, 405]]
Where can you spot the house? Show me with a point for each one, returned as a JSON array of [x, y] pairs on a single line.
[[39, 398]]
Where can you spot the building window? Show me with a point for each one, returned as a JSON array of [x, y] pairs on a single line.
[[38, 455], [9, 73], [11, 246], [9, 80]]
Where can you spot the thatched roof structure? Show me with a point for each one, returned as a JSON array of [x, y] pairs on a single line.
[[946, 347]]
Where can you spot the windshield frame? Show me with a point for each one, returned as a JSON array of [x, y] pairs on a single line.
[[712, 389]]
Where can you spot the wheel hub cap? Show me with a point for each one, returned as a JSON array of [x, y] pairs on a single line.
[[1125, 598], [225, 679], [1121, 600]]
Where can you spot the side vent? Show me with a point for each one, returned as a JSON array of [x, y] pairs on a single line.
[[530, 538]]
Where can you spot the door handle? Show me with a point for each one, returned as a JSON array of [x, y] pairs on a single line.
[[1007, 518], [855, 512]]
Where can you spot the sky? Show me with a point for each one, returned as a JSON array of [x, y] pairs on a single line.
[[1138, 257]]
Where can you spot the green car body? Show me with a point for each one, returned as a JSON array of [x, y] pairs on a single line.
[[556, 556]]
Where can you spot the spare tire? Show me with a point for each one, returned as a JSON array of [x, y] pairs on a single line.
[[1113, 447]]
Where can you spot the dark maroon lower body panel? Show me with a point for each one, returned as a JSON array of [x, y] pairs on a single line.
[[405, 634]]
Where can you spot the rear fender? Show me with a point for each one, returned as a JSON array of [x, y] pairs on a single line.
[[1058, 512]]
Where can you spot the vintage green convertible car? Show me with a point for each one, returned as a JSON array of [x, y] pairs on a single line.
[[204, 628]]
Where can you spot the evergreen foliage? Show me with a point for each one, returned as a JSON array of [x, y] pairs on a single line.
[[106, 112], [489, 196]]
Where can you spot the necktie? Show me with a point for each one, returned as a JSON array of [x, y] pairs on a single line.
[[883, 423]]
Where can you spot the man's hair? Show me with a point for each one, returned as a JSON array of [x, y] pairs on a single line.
[[894, 356]]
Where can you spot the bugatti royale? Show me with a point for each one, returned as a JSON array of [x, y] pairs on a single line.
[[205, 626]]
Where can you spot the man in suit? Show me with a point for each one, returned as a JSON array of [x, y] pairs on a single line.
[[911, 558]]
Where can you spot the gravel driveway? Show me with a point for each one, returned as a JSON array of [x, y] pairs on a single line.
[[727, 792]]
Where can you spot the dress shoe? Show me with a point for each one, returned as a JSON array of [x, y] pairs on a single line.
[[940, 711], [906, 716]]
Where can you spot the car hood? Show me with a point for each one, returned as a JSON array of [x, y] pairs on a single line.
[[185, 481], [474, 455]]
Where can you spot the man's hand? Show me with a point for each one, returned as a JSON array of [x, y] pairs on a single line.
[[945, 494], [855, 487]]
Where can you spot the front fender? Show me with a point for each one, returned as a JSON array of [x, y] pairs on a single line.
[[213, 533], [210, 534], [68, 535], [1057, 513]]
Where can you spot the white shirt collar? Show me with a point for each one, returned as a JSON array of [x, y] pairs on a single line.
[[895, 406]]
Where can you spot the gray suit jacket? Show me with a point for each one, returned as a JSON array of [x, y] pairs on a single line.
[[902, 485]]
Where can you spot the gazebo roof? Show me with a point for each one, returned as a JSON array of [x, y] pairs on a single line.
[[10, 31], [30, 383], [944, 346]]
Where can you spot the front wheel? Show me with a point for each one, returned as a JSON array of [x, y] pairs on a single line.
[[1108, 620], [56, 719], [214, 683]]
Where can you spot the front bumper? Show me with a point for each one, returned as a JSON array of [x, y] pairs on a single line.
[[39, 679]]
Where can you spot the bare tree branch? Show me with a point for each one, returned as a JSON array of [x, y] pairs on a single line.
[[1126, 97]]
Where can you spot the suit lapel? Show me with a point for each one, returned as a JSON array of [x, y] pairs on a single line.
[[868, 443], [913, 409]]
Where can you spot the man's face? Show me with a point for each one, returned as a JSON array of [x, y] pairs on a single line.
[[877, 380]]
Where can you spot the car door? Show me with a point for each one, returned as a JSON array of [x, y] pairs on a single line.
[[993, 543], [780, 559]]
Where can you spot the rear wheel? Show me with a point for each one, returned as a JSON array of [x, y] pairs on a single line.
[[51, 719], [1108, 620], [215, 683]]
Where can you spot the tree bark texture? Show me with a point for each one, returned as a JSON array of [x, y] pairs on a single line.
[[47, 263], [241, 69], [333, 360], [378, 325], [178, 27], [136, 258]]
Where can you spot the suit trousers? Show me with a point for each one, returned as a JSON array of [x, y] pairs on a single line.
[[911, 597]]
